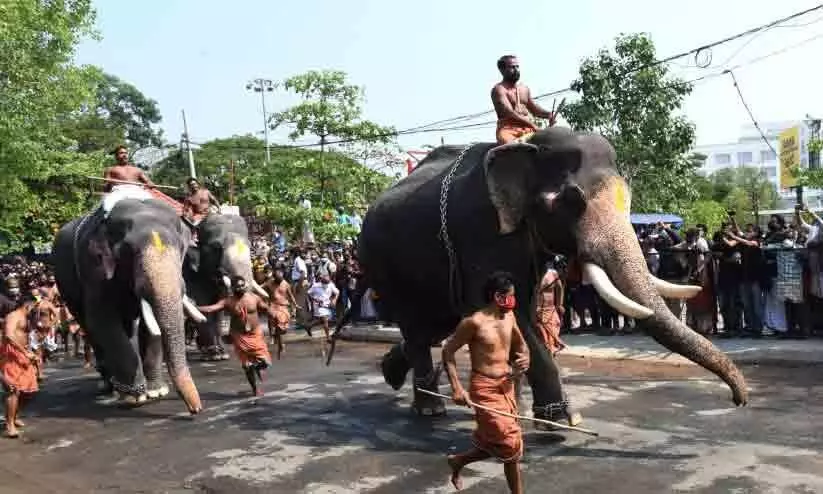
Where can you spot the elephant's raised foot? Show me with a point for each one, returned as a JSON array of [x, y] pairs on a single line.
[[395, 367], [556, 412], [156, 393]]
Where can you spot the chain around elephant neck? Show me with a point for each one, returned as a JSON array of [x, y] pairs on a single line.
[[445, 186]]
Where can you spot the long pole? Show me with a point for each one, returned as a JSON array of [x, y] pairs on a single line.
[[265, 126], [192, 172], [231, 182]]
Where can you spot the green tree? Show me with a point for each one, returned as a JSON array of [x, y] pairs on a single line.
[[707, 212], [633, 102], [274, 189], [745, 190], [119, 114], [39, 86], [330, 107]]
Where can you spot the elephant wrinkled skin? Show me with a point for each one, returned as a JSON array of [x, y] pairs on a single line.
[[122, 278], [511, 210]]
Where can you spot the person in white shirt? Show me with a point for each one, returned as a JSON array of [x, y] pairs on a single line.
[[323, 295], [300, 286]]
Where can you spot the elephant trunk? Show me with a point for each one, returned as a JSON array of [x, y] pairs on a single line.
[[606, 239], [164, 294]]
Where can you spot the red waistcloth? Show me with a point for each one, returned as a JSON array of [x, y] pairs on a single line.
[[17, 371], [168, 200], [250, 346], [496, 434]]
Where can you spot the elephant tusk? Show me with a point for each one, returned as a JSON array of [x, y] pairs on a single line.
[[259, 289], [227, 282], [148, 317], [604, 286], [672, 290], [192, 311]]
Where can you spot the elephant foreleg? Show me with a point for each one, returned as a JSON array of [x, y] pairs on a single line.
[[151, 348], [550, 402], [121, 362]]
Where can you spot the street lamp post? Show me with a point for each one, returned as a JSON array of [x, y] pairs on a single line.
[[263, 86]]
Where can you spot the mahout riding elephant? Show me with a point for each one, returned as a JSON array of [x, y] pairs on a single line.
[[223, 250], [121, 277], [429, 242]]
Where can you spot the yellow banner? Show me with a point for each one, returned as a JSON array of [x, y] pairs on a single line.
[[789, 156]]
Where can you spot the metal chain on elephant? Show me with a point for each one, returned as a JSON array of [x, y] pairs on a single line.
[[444, 229]]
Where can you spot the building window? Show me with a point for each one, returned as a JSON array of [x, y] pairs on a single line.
[[771, 171], [744, 157], [722, 159], [767, 156]]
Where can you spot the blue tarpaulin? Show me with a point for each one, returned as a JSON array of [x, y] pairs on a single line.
[[652, 218]]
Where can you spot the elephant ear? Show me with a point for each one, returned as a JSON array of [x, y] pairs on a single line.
[[102, 259], [509, 169]]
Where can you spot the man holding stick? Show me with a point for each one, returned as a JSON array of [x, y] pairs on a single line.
[[492, 335]]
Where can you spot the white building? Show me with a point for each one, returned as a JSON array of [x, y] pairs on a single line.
[[751, 150]]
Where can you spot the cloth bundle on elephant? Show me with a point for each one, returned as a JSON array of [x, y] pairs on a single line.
[[428, 243], [121, 277], [223, 250]]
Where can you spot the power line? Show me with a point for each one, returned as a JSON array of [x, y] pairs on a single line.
[[693, 51], [424, 128], [749, 111]]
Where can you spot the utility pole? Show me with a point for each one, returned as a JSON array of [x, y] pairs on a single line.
[[188, 145], [263, 86]]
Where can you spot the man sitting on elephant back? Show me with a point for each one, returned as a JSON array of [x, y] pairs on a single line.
[[513, 102], [124, 180], [197, 203], [246, 333]]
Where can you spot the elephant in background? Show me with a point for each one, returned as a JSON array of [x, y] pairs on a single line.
[[223, 250], [121, 277], [511, 208]]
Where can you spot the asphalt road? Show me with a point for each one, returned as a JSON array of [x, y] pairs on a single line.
[[340, 429]]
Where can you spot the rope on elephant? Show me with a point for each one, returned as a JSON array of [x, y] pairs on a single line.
[[519, 417]]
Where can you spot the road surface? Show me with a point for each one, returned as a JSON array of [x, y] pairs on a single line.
[[340, 429]]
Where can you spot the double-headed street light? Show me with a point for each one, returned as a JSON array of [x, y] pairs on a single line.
[[263, 86]]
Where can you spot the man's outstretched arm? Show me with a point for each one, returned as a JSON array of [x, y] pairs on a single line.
[[538, 110]]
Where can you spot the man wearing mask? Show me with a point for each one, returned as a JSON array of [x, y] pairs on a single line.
[[513, 102]]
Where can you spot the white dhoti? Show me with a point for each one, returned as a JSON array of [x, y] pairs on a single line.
[[123, 191]]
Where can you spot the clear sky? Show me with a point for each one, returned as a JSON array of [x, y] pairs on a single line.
[[425, 60]]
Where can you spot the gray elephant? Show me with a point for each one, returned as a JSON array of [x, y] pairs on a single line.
[[121, 277], [428, 243], [223, 250]]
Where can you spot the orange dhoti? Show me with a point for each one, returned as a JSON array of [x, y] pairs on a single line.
[[280, 323], [510, 132], [497, 435], [250, 347], [548, 327], [17, 371]]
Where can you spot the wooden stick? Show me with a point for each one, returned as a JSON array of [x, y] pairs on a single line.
[[114, 180], [520, 417]]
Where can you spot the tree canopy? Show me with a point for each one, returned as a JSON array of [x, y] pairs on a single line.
[[633, 101], [273, 190]]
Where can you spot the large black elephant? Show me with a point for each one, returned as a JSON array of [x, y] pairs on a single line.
[[121, 277], [223, 250], [429, 242]]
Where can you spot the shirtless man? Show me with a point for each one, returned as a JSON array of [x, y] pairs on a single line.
[[513, 102], [246, 333], [123, 170], [282, 300], [493, 336], [19, 367], [196, 205]]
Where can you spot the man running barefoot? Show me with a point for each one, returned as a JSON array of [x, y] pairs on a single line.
[[246, 333], [493, 336], [281, 299], [19, 367]]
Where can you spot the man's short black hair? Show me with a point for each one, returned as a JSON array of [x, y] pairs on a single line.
[[497, 282], [501, 62], [118, 148]]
